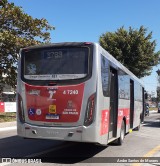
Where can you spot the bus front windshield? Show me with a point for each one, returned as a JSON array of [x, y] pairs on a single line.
[[66, 63]]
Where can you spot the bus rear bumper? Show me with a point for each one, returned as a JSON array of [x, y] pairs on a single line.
[[77, 134]]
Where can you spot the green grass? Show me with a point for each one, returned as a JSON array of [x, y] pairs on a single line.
[[7, 117], [153, 108]]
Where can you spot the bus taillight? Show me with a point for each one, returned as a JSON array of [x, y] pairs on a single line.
[[20, 108], [90, 110]]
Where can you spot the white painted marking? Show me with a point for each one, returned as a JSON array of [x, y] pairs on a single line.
[[4, 164], [6, 161]]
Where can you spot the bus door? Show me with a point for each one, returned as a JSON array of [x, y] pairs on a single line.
[[131, 103], [113, 103]]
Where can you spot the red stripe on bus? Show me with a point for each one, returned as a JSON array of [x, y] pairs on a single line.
[[54, 103], [104, 122], [122, 112]]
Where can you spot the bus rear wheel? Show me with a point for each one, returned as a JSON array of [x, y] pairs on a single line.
[[122, 134]]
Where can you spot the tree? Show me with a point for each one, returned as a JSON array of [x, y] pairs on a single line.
[[133, 48], [158, 94], [18, 30]]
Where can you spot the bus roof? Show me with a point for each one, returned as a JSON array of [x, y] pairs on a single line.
[[59, 44]]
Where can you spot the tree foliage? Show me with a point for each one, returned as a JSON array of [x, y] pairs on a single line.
[[133, 48], [18, 30]]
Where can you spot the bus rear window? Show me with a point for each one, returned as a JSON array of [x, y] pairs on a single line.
[[56, 64]]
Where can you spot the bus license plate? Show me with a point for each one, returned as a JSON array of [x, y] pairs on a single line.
[[52, 116]]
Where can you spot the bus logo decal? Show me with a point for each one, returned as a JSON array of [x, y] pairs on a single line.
[[51, 93], [34, 92], [31, 111], [52, 109], [70, 104], [38, 111], [31, 68]]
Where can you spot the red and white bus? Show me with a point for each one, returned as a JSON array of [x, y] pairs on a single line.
[[76, 91]]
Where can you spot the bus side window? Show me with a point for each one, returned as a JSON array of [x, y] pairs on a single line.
[[105, 75]]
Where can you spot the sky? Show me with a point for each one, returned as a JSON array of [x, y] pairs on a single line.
[[87, 20]]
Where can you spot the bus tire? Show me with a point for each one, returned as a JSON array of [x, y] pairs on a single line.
[[122, 134]]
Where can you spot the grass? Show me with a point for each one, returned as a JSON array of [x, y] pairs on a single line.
[[153, 108], [7, 117]]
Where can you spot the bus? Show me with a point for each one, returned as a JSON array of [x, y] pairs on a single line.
[[76, 91]]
